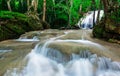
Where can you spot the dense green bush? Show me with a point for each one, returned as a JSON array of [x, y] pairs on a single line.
[[66, 10], [56, 9]]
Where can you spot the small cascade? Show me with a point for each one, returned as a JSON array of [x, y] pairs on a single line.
[[80, 67], [5, 50], [83, 64], [25, 39], [87, 22], [57, 56], [46, 61]]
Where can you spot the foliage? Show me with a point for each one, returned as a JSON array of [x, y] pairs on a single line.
[[109, 27], [115, 16], [0, 5], [12, 15], [56, 9], [67, 10]]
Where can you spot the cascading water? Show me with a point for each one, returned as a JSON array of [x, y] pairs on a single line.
[[46, 61], [25, 39], [87, 22], [86, 64]]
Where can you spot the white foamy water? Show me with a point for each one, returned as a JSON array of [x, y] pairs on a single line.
[[4, 51], [44, 61], [25, 39], [87, 22], [80, 65], [39, 65]]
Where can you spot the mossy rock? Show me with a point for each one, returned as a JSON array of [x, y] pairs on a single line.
[[98, 31], [12, 15], [107, 29], [13, 24], [34, 24]]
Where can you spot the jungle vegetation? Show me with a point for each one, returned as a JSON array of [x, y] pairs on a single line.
[[58, 13]]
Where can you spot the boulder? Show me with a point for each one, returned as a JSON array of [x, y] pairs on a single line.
[[13, 24]]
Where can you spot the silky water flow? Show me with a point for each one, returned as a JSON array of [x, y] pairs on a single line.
[[45, 61]]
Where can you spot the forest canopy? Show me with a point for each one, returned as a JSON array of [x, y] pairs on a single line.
[[57, 12], [17, 15]]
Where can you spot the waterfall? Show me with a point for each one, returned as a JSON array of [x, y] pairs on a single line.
[[46, 61], [51, 63], [25, 39], [87, 21], [86, 64]]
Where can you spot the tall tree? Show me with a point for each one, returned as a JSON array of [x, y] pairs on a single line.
[[32, 5], [69, 9], [93, 6], [35, 5], [105, 4], [44, 10], [99, 9], [8, 4], [28, 5], [70, 12]]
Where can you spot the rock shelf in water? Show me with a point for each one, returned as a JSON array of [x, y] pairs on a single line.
[[69, 45]]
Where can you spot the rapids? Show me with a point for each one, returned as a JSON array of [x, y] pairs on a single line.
[[87, 21], [66, 53], [46, 61]]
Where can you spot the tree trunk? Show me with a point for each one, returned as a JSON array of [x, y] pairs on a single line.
[[44, 10], [98, 14], [8, 4], [93, 3], [35, 5], [80, 8], [28, 5], [70, 7], [94, 18], [105, 4]]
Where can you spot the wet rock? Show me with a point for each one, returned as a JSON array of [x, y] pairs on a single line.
[[11, 58], [69, 44]]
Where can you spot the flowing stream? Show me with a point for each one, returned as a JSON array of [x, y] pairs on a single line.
[[87, 21], [46, 61]]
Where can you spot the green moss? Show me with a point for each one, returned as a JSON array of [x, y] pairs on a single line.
[[12, 15], [34, 24], [4, 34], [107, 29], [98, 31], [16, 28], [14, 24], [111, 40]]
